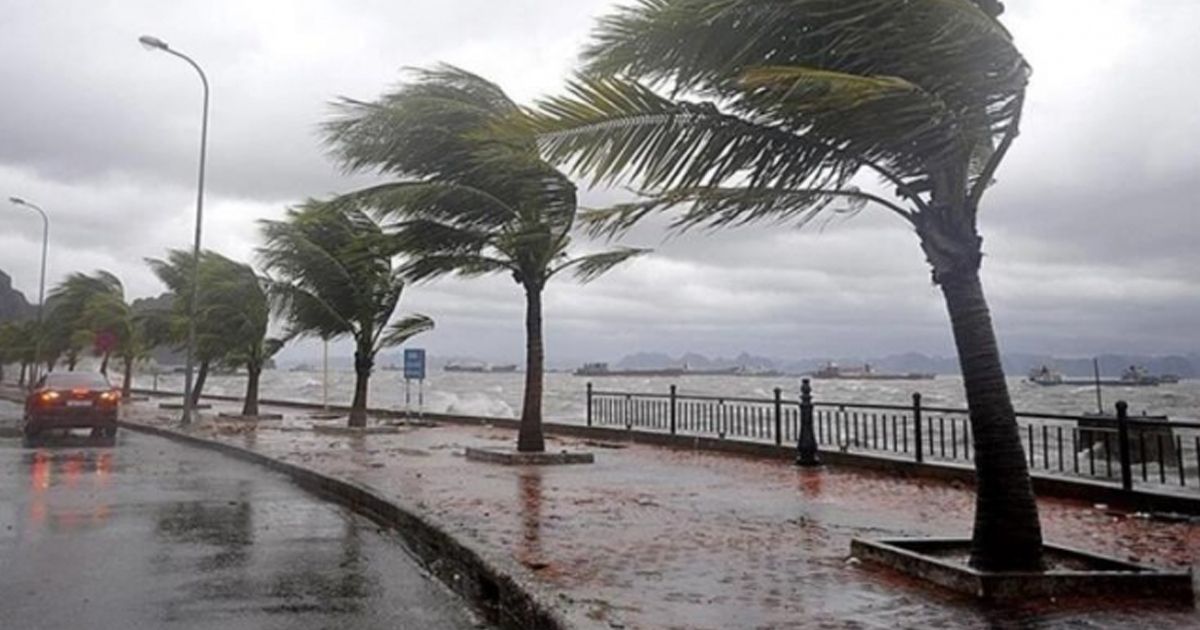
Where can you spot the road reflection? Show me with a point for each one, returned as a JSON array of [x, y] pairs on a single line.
[[72, 470]]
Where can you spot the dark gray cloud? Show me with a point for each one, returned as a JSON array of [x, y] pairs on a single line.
[[1091, 232]]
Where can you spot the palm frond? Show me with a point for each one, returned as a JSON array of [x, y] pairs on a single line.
[[592, 266], [404, 329], [715, 207]]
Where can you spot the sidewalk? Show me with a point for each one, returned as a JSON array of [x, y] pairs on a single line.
[[657, 538]]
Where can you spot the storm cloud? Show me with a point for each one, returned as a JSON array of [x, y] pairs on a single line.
[[1091, 233]]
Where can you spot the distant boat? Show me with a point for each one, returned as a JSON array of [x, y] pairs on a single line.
[[602, 369], [1133, 376], [1045, 376], [303, 367], [479, 368], [867, 373]]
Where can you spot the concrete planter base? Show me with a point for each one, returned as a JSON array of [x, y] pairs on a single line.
[[175, 405], [326, 415], [513, 458], [240, 417], [1073, 572], [341, 430]]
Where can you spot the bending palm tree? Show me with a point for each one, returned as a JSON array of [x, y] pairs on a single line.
[[790, 100], [213, 342], [472, 199], [334, 278], [233, 294]]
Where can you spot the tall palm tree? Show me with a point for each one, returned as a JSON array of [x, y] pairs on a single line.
[[331, 275], [472, 197], [740, 110]]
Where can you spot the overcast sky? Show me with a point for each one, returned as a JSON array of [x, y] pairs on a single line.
[[1092, 233]]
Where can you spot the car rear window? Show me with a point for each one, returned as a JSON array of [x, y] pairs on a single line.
[[69, 380]]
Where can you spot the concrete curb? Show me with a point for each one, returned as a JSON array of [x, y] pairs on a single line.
[[498, 595]]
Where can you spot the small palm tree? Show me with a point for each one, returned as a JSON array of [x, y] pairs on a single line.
[[72, 298], [330, 275], [231, 293], [776, 108], [212, 341], [473, 198]]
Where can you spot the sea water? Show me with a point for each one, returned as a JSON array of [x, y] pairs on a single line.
[[499, 395]]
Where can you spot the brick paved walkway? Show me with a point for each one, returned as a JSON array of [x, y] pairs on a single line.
[[657, 538]]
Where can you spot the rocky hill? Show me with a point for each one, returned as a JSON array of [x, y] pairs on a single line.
[[13, 304]]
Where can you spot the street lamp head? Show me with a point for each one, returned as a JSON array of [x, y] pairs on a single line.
[[152, 43], [19, 201]]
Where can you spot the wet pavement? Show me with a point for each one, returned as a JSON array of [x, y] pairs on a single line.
[[650, 537], [148, 533]]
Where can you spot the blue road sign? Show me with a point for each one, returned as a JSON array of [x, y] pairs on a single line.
[[414, 363]]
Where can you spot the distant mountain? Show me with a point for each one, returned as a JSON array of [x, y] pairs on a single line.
[[1016, 364], [13, 304]]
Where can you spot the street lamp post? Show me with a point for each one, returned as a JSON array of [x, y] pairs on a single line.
[[37, 342], [153, 43]]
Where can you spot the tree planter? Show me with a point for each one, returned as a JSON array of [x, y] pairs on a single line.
[[511, 457], [1070, 572]]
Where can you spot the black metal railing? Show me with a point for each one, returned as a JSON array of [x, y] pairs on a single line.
[[1118, 447]]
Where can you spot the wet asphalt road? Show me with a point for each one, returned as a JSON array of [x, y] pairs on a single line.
[[152, 534]]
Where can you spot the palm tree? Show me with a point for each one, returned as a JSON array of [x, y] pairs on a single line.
[[773, 110], [472, 198], [212, 341], [231, 293], [334, 277], [10, 345], [69, 318]]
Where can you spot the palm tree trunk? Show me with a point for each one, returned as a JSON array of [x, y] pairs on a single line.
[[127, 384], [198, 386], [250, 405], [104, 365], [1007, 534], [529, 438], [72, 359], [24, 367], [363, 362]]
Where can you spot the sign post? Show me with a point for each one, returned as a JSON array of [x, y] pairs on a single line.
[[414, 369]]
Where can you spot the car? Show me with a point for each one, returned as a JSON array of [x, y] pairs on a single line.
[[72, 400]]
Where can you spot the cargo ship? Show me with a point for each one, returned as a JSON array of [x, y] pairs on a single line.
[[867, 373], [602, 369]]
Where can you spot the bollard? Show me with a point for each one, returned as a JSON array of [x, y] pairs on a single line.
[[589, 404], [673, 412], [806, 445], [1123, 445], [917, 426], [778, 417]]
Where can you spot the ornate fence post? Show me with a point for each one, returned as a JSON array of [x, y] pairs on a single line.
[[1123, 442], [778, 417], [917, 427], [673, 411], [589, 404], [806, 445]]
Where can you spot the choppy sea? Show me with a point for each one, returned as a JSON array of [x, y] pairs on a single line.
[[499, 395]]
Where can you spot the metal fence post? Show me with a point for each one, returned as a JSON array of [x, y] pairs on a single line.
[[589, 404], [806, 445], [917, 426], [778, 417], [673, 401], [1123, 442]]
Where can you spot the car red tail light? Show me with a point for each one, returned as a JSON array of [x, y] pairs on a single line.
[[110, 397], [48, 397]]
